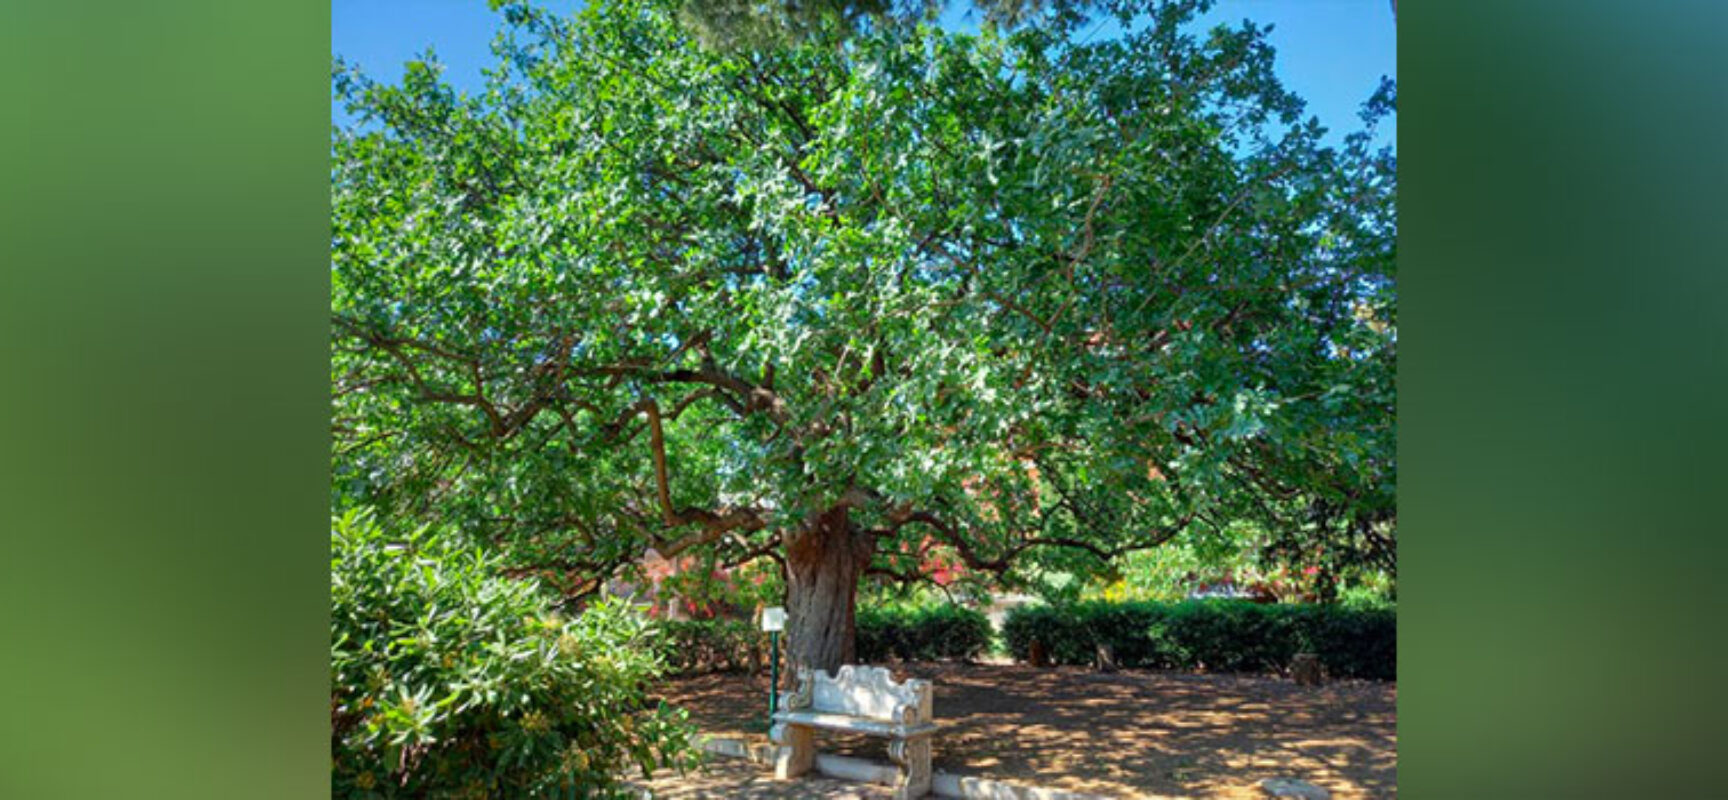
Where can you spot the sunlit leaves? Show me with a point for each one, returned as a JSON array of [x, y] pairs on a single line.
[[446, 678], [1045, 288]]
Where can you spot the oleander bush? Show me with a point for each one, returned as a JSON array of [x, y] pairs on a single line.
[[1214, 635], [450, 680]]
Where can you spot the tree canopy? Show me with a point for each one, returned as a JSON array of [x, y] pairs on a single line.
[[1037, 298]]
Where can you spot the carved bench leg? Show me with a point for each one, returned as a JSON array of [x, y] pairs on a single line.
[[797, 751], [913, 758]]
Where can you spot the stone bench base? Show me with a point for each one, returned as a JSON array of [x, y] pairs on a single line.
[[942, 784], [911, 756], [858, 700]]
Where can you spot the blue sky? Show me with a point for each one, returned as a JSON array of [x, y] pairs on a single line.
[[1330, 52]]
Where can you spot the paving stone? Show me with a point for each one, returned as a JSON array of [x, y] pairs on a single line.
[[1290, 787]]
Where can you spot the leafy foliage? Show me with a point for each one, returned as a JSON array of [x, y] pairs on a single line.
[[705, 589], [1045, 299], [744, 24], [1229, 636], [1061, 629], [930, 632], [1249, 559], [714, 645], [909, 632], [449, 681]]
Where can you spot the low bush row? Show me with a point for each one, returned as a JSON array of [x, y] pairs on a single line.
[[921, 633], [917, 633], [1229, 636], [1214, 635]]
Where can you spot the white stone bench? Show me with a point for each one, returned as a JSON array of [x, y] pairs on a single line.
[[858, 700]]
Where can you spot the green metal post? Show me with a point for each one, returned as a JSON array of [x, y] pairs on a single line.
[[773, 673]]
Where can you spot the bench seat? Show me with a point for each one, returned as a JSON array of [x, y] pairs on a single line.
[[858, 699], [842, 722]]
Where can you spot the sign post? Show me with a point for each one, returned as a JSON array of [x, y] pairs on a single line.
[[773, 621]]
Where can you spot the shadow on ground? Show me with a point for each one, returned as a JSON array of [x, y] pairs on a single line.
[[1123, 734], [736, 778]]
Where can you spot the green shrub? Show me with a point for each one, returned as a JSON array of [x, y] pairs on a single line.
[[921, 633], [1123, 627], [1225, 636], [1216, 635], [448, 680], [1071, 632], [951, 632], [1361, 644], [713, 645], [933, 632], [1059, 626]]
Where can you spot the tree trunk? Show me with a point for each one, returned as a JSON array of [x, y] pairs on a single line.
[[823, 561]]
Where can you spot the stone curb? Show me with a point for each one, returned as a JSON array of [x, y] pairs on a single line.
[[943, 784]]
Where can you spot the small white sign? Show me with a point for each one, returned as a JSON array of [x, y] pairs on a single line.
[[774, 619]]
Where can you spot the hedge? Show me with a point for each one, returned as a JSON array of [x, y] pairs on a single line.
[[1216, 635], [920, 633]]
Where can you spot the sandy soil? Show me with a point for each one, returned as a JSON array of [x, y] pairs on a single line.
[[736, 778], [1129, 734]]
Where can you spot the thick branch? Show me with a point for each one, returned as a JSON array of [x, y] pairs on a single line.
[[1003, 563]]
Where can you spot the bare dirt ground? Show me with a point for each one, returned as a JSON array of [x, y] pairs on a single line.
[[737, 778], [1128, 734]]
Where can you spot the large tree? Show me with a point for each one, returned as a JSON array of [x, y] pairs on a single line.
[[1037, 296]]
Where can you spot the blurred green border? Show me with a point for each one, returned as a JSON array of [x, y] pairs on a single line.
[[164, 405], [163, 400], [1563, 264]]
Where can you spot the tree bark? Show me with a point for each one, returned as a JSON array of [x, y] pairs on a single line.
[[823, 561]]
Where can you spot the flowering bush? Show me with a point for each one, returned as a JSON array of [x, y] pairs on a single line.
[[448, 680], [703, 589]]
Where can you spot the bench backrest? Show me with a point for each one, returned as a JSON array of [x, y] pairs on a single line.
[[868, 692]]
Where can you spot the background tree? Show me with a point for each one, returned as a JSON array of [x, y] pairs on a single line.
[[1042, 299], [746, 24]]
